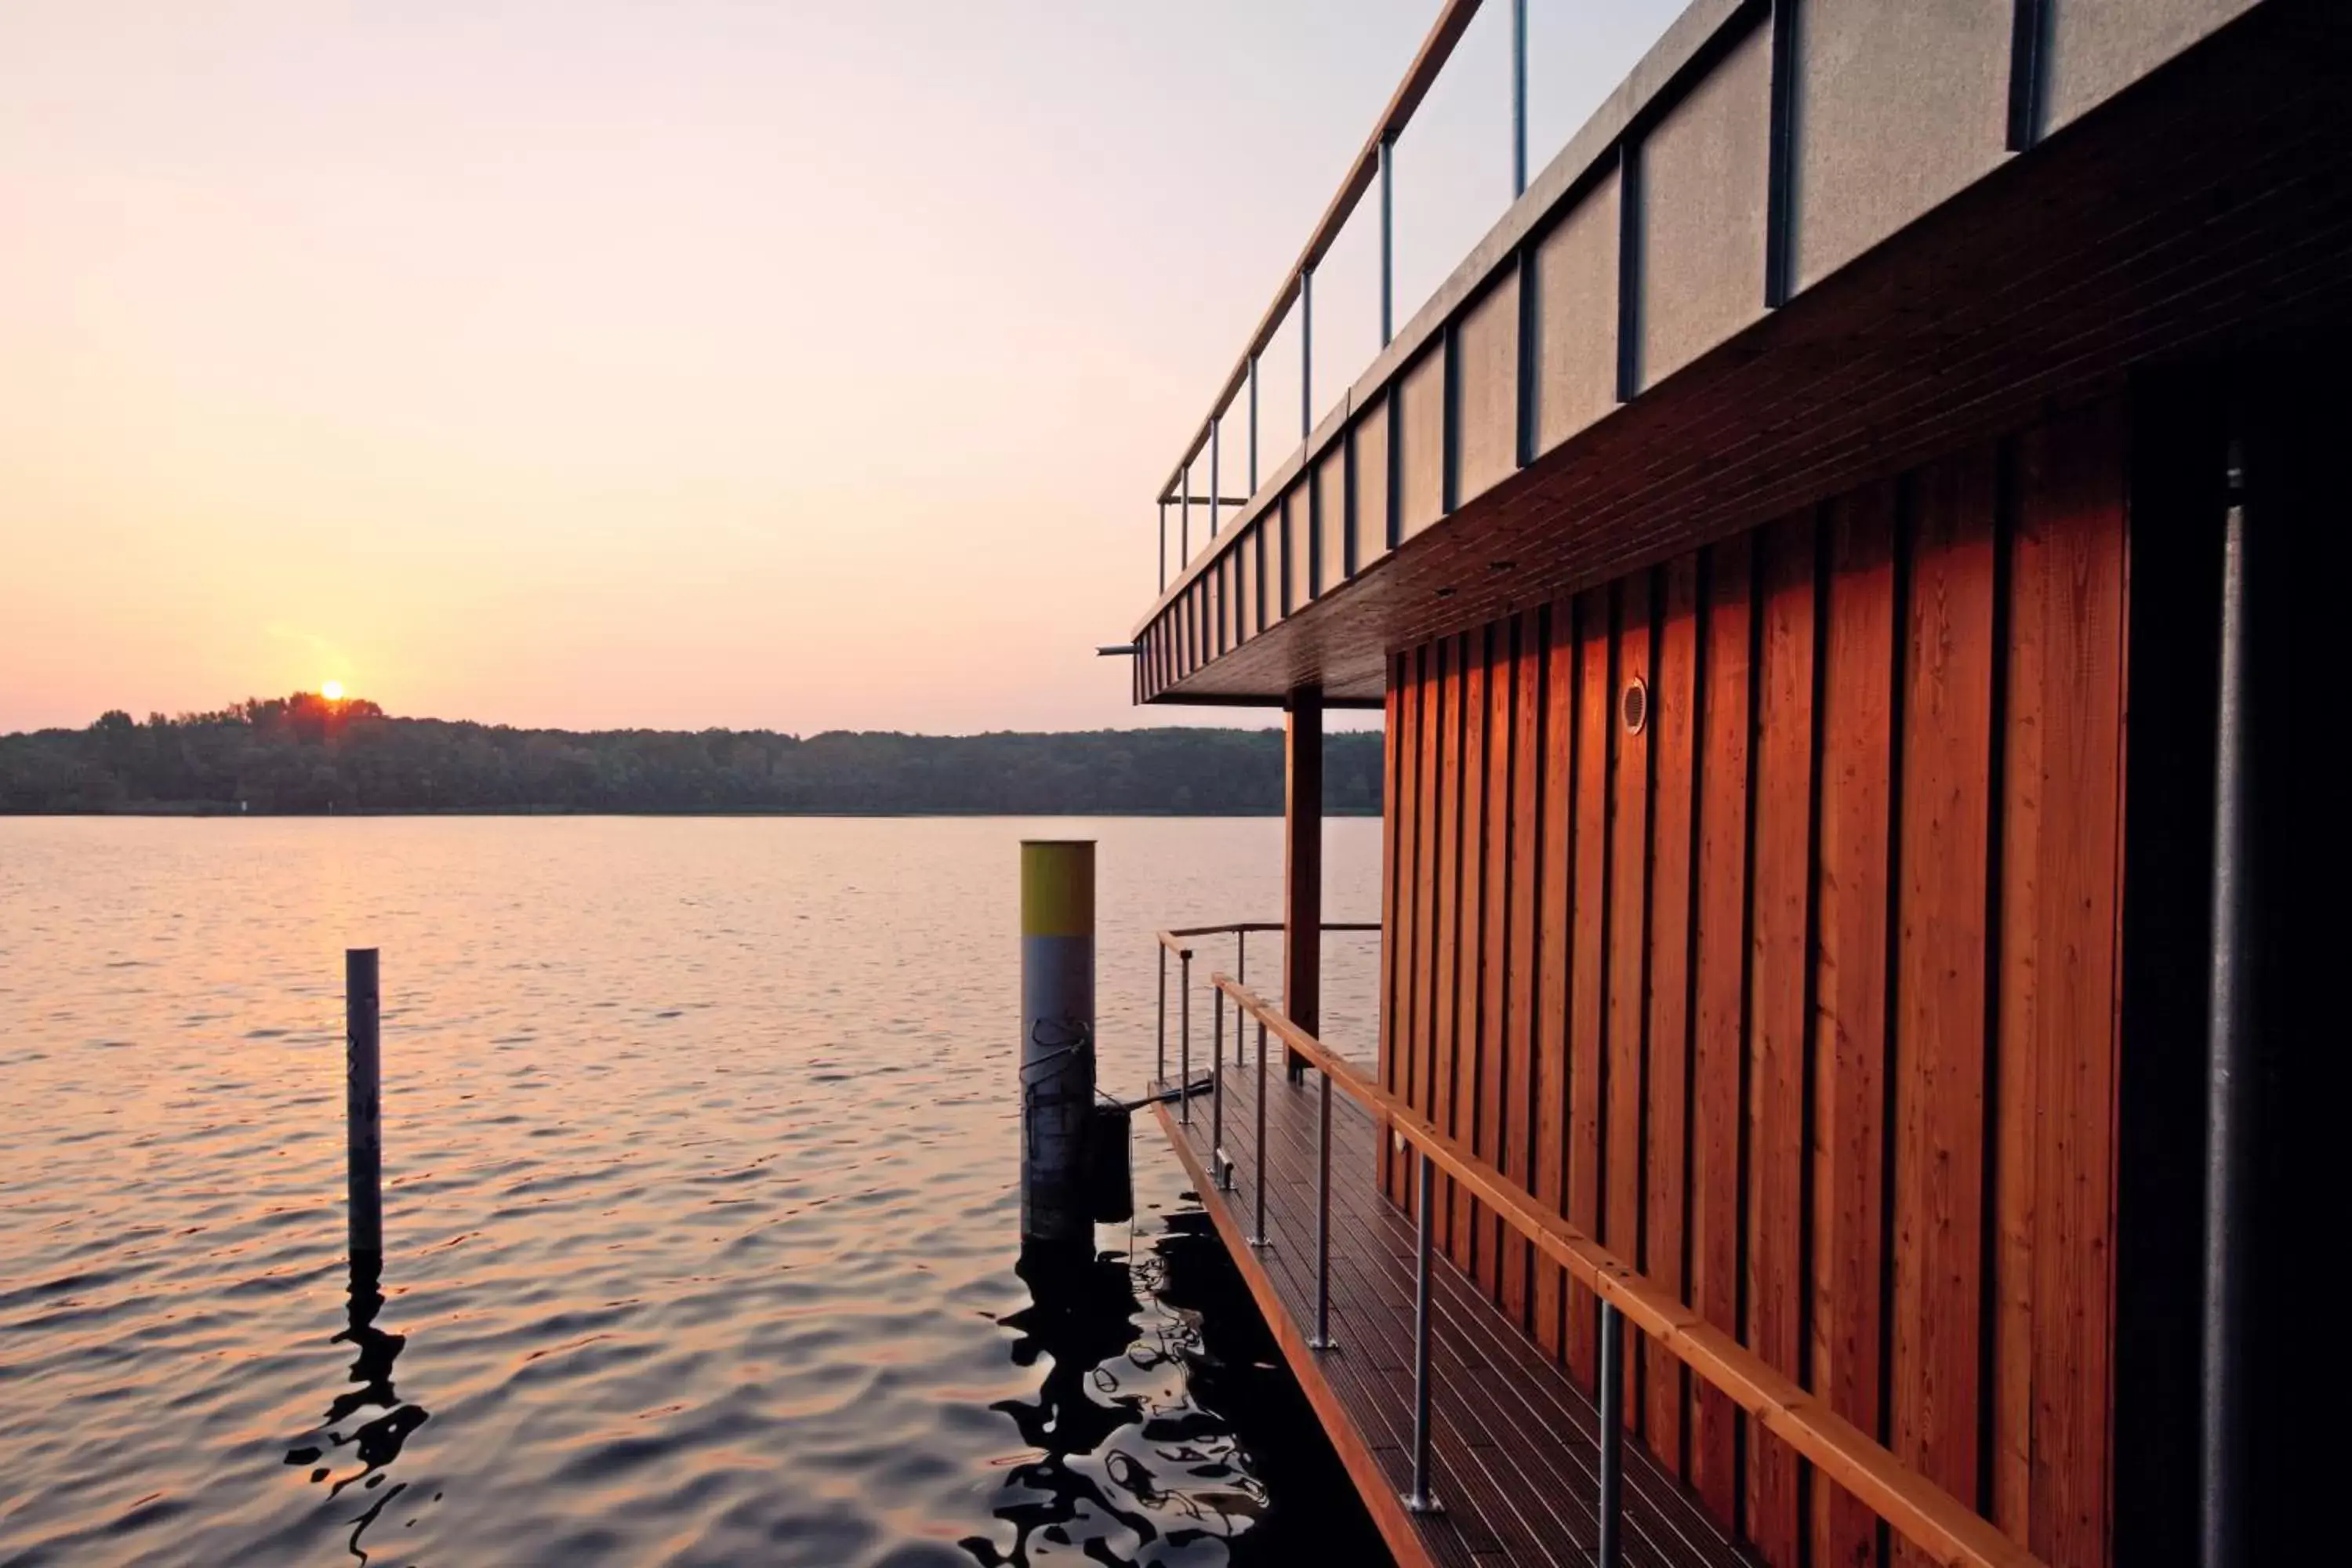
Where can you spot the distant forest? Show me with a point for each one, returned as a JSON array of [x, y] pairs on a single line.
[[306, 754]]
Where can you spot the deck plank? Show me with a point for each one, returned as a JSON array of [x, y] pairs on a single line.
[[1515, 1450]]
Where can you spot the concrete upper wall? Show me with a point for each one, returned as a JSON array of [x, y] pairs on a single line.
[[1661, 232]]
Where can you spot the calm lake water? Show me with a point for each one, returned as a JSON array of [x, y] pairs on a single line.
[[701, 1225]]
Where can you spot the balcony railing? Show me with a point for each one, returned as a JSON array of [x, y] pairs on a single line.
[[1374, 165], [1913, 1506]]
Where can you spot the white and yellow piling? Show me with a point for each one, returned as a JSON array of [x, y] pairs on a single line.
[[1057, 1035]]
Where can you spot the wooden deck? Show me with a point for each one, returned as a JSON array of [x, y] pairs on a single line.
[[1515, 1459]]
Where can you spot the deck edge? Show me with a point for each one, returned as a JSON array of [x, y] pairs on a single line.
[[1380, 1500]]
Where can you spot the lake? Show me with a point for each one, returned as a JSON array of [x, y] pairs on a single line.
[[700, 1225]]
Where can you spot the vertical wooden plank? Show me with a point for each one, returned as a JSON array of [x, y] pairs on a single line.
[[1718, 997], [1521, 1081], [2059, 906], [1429, 724], [1943, 861], [1778, 958], [1588, 916], [1561, 659], [1674, 718], [1624, 1068], [1445, 894], [1850, 991], [1393, 813], [1469, 1029], [1495, 1023]]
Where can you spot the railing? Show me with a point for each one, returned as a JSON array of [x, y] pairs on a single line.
[[1375, 162], [1911, 1504], [1179, 943]]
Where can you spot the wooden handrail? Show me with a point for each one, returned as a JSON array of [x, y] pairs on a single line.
[[1419, 78], [1913, 1506]]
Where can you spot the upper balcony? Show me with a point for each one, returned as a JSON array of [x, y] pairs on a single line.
[[1797, 247]]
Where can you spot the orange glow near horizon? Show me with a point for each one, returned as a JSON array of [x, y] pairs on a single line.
[[332, 690], [543, 363]]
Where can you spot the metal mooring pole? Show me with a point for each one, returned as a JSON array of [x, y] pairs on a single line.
[[1057, 1035], [2230, 1073], [364, 1102]]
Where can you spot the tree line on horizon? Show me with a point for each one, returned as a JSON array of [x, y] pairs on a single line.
[[305, 755]]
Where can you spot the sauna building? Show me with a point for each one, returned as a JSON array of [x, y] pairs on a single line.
[[1826, 563]]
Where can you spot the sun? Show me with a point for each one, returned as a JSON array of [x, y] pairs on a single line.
[[332, 690]]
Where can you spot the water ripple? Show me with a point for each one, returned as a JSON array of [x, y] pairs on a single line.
[[700, 1237]]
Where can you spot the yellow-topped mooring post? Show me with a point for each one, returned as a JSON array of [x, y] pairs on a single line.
[[1057, 1035]]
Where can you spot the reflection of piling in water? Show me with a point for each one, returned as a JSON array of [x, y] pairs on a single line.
[[363, 1110], [1057, 1045]]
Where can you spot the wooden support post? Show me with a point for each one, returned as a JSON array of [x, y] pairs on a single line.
[[1302, 860], [363, 1102]]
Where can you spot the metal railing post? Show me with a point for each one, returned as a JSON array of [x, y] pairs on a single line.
[[1260, 1239], [1518, 98], [1422, 1500], [1159, 1073], [1185, 1013], [1216, 486], [1306, 354], [1322, 1340], [1613, 1431], [1241, 974], [1185, 524], [1253, 424], [1219, 1169], [1388, 240]]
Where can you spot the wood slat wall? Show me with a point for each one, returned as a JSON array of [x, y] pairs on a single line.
[[1802, 993]]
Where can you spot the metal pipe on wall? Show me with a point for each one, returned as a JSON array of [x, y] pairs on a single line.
[[2229, 1069]]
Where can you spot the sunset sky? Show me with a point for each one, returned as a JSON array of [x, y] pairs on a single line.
[[700, 363]]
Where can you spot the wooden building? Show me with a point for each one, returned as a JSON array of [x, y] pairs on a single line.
[[1826, 562]]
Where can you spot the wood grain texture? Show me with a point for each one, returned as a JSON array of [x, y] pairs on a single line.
[[1673, 716], [1849, 1151], [1496, 1045], [1588, 916], [1470, 1041], [1520, 1093], [1778, 1025], [1552, 954], [1939, 1186], [1395, 818], [1624, 1050], [2064, 864], [1445, 992], [1719, 997]]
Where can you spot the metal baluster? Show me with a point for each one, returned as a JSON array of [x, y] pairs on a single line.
[[1240, 967], [1163, 544], [1216, 497], [1612, 1430], [1260, 1239], [1422, 1500], [1388, 240], [1184, 523], [1219, 1170], [1306, 354], [1322, 1340], [1184, 1012], [1518, 97], [1160, 1075], [1252, 439]]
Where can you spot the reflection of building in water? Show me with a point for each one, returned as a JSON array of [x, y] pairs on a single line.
[[374, 1443]]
